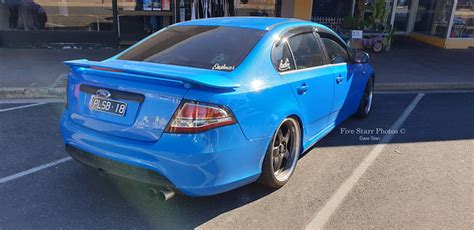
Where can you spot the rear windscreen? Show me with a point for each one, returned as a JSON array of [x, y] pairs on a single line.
[[208, 47]]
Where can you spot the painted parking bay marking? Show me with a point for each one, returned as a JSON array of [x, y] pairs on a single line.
[[37, 168], [33, 170], [341, 193], [21, 107]]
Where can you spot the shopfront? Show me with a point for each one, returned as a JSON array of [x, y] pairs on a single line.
[[110, 22], [443, 23]]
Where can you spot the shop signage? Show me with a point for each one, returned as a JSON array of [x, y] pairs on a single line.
[[357, 34]]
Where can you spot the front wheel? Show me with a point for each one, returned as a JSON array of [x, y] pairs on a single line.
[[366, 101], [282, 154]]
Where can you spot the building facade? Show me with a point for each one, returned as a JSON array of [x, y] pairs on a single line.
[[110, 22], [444, 23]]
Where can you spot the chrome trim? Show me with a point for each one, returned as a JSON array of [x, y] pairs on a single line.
[[312, 68]]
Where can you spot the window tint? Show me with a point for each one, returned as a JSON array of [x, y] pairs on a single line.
[[281, 57], [306, 50], [334, 50], [209, 47]]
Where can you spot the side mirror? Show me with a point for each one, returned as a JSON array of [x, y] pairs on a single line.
[[361, 57]]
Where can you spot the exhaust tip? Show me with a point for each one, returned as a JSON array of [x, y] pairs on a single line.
[[163, 194]]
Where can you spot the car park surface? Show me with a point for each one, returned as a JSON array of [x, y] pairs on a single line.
[[422, 178]]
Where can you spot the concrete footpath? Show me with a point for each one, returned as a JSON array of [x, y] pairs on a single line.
[[40, 73]]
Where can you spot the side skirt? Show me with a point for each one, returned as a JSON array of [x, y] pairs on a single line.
[[312, 141]]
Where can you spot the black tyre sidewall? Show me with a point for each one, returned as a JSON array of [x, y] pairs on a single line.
[[361, 110], [267, 177]]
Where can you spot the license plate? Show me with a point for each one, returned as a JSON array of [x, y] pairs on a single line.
[[108, 106]]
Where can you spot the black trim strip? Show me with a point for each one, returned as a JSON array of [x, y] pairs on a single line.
[[115, 94]]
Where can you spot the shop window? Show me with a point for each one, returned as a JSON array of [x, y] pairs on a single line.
[[265, 8], [140, 18], [463, 21], [306, 51], [88, 15], [331, 8], [433, 16]]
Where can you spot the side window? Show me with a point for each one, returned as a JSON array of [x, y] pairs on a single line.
[[336, 53], [281, 57], [306, 51]]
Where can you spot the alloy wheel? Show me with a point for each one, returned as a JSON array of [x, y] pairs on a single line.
[[285, 149], [368, 95]]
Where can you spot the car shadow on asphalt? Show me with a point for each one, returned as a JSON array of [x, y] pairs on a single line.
[[180, 212], [437, 117]]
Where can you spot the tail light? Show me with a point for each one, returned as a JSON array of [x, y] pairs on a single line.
[[195, 117]]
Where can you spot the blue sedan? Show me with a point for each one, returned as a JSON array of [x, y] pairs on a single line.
[[206, 106]]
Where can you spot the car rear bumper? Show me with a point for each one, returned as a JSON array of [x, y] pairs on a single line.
[[118, 168], [201, 164]]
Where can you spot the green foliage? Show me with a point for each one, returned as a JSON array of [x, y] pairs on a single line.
[[389, 37], [352, 23], [379, 18]]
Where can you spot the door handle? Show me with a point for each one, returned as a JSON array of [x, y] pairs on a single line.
[[302, 90], [339, 79]]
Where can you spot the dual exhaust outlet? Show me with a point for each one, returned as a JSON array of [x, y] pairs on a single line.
[[164, 194]]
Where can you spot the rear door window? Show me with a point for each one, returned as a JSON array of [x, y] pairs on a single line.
[[281, 57], [306, 51], [208, 47]]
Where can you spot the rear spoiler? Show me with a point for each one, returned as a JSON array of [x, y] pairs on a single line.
[[196, 76]]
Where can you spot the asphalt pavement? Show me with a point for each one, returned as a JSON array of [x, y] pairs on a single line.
[[362, 175]]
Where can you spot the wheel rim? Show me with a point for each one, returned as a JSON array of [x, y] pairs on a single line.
[[368, 94], [285, 149], [378, 47]]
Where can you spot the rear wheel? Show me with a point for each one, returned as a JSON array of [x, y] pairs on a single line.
[[366, 101], [282, 154]]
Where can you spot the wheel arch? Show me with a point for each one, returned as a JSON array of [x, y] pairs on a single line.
[[300, 123]]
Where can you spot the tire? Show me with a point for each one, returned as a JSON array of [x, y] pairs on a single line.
[[282, 154], [365, 105], [377, 47]]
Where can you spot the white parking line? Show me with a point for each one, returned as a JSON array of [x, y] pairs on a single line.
[[21, 107], [333, 203], [33, 170], [32, 100]]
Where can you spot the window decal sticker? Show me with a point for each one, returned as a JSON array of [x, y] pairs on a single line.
[[284, 66], [225, 67]]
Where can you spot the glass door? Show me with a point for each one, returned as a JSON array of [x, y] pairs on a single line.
[[401, 15]]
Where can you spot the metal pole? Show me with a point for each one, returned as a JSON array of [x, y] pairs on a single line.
[[451, 19], [394, 8], [115, 21], [353, 7]]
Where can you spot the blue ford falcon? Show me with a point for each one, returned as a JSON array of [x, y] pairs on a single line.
[[206, 106]]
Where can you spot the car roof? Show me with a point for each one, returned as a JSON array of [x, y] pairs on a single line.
[[259, 23]]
